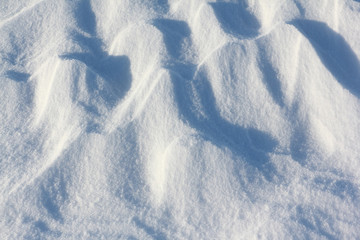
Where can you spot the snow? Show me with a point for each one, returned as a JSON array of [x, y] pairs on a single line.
[[179, 119]]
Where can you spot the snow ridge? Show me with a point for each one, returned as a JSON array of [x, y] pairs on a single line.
[[179, 119]]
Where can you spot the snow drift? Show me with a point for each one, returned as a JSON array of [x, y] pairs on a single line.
[[180, 119]]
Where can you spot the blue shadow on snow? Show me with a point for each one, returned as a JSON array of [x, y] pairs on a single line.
[[317, 221], [17, 76], [54, 194], [115, 70], [236, 19], [341, 188], [252, 144], [334, 52], [149, 230], [271, 80], [176, 32]]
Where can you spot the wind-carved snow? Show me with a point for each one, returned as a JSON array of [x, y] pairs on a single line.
[[179, 119], [45, 80]]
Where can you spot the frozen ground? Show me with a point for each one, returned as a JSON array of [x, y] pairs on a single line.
[[179, 119]]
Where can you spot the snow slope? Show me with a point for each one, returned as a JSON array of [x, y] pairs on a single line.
[[179, 119]]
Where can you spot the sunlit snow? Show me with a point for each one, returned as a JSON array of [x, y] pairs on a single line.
[[180, 119]]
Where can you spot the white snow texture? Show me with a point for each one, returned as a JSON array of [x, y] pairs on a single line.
[[179, 119]]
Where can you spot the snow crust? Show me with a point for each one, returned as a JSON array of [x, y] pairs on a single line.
[[179, 119]]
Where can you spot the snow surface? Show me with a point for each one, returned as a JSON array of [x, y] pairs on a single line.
[[180, 119]]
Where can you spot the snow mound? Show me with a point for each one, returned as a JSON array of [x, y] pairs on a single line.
[[179, 119]]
